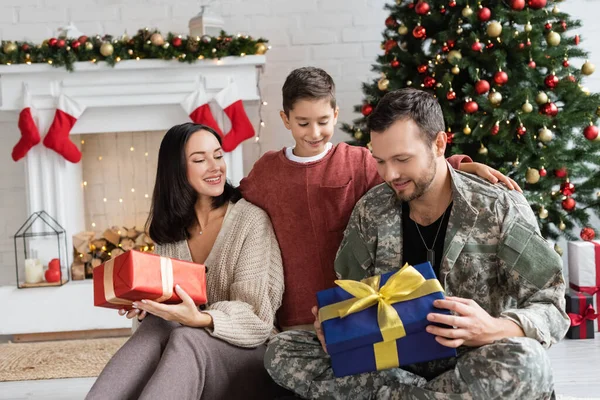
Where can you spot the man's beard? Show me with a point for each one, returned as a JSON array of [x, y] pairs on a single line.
[[422, 184]]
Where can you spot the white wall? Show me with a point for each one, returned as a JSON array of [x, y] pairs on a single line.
[[341, 36]]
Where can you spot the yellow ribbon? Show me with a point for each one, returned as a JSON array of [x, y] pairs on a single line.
[[406, 284], [166, 273]]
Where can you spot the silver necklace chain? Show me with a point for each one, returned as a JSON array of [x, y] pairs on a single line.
[[430, 251]]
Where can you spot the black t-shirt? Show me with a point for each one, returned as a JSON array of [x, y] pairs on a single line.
[[414, 251]]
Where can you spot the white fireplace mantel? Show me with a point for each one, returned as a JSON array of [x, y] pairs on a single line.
[[142, 95]]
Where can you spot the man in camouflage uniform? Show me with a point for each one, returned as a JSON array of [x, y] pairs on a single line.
[[503, 281]]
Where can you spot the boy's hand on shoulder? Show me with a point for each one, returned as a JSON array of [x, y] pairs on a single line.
[[489, 173]]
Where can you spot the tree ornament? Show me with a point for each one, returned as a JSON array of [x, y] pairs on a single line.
[[429, 82], [358, 134], [383, 83], [562, 226], [517, 5], [489, 45], [569, 204], [75, 44], [52, 42], [590, 132], [565, 62], [555, 10], [422, 8], [483, 150], [495, 128], [452, 3], [531, 64], [454, 56], [550, 109], [576, 40], [459, 31], [60, 43], [389, 45], [545, 135], [521, 130], [455, 70], [494, 29], [366, 109], [536, 4], [471, 107], [585, 90], [500, 78], [482, 86], [567, 188], [558, 249], [571, 78], [528, 27], [89, 46], [563, 25], [166, 46], [419, 32], [548, 26], [467, 130], [451, 95], [107, 49], [587, 234], [391, 22], [532, 176], [477, 45], [543, 213], [422, 68], [395, 63], [177, 41], [561, 172], [553, 38], [9, 47], [541, 98], [588, 68], [484, 14], [543, 172], [495, 98], [467, 11], [449, 138], [551, 81], [157, 39], [402, 30]]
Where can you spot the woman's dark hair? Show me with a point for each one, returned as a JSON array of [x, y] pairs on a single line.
[[172, 212]]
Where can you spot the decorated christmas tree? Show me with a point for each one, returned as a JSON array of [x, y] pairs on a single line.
[[501, 70]]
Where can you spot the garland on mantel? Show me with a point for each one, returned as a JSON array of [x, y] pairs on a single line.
[[146, 44]]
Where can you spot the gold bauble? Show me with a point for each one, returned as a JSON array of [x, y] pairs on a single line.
[[459, 31], [383, 84], [89, 46], [532, 176], [455, 70], [545, 135], [527, 107], [403, 30], [495, 98], [585, 90], [467, 130], [558, 249], [358, 135], [157, 39], [555, 10], [454, 56], [467, 12], [562, 226], [553, 38], [107, 49], [541, 98], [494, 29], [588, 68], [543, 213], [528, 27], [483, 150], [261, 48], [9, 47], [166, 45]]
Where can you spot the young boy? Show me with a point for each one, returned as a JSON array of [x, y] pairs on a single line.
[[309, 191]]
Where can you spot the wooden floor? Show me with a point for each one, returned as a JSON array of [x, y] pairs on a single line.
[[576, 371]]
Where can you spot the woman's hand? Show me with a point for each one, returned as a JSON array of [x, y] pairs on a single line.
[[490, 174], [186, 312]]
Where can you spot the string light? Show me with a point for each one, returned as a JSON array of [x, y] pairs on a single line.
[[120, 200], [261, 104], [131, 148], [84, 183], [93, 224], [83, 142], [132, 190], [105, 199], [100, 158], [146, 154], [146, 195]]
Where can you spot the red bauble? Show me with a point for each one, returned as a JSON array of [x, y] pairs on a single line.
[[576, 39], [484, 14], [390, 22], [429, 82], [531, 64], [75, 44], [442, 10], [500, 78], [422, 68], [567, 189], [52, 42], [489, 45], [395, 64], [449, 138], [445, 49], [561, 173], [543, 172], [366, 109], [451, 95], [551, 81], [548, 25], [536, 4], [52, 275], [422, 8], [549, 109], [587, 234], [471, 107], [565, 63], [60, 43], [563, 25], [82, 39], [419, 32], [590, 132], [482, 86], [477, 46], [54, 264], [571, 78], [521, 46], [389, 45], [495, 129], [451, 43], [25, 47], [452, 3], [518, 5], [521, 130], [569, 204], [177, 41]]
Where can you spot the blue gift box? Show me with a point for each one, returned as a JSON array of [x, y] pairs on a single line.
[[351, 341]]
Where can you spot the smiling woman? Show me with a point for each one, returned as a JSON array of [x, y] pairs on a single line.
[[179, 351]]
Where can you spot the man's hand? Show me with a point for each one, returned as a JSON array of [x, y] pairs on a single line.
[[318, 328], [490, 174], [474, 327]]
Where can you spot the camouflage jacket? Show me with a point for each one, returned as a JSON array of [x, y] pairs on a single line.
[[493, 253]]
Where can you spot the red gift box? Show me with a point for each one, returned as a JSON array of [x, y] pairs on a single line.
[[134, 276]]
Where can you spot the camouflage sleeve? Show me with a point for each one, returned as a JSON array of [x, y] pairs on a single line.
[[353, 257], [532, 271]]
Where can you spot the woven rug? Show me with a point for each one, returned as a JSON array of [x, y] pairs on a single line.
[[59, 359]]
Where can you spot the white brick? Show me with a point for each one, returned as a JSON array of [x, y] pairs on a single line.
[[276, 38], [247, 8], [350, 35], [34, 32], [21, 3], [326, 20], [145, 12], [336, 51], [371, 50], [91, 28], [356, 6], [269, 22], [314, 36], [43, 15], [8, 15], [374, 18], [106, 13], [235, 25], [292, 53], [69, 3], [362, 68], [332, 67], [175, 25], [277, 71], [296, 6]]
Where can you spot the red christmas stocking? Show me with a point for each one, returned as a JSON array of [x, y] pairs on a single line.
[[196, 106], [57, 138], [30, 136], [241, 127]]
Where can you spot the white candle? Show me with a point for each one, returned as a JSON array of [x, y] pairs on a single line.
[[34, 271]]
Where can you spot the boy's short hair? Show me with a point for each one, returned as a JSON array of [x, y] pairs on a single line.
[[307, 83], [408, 103]]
